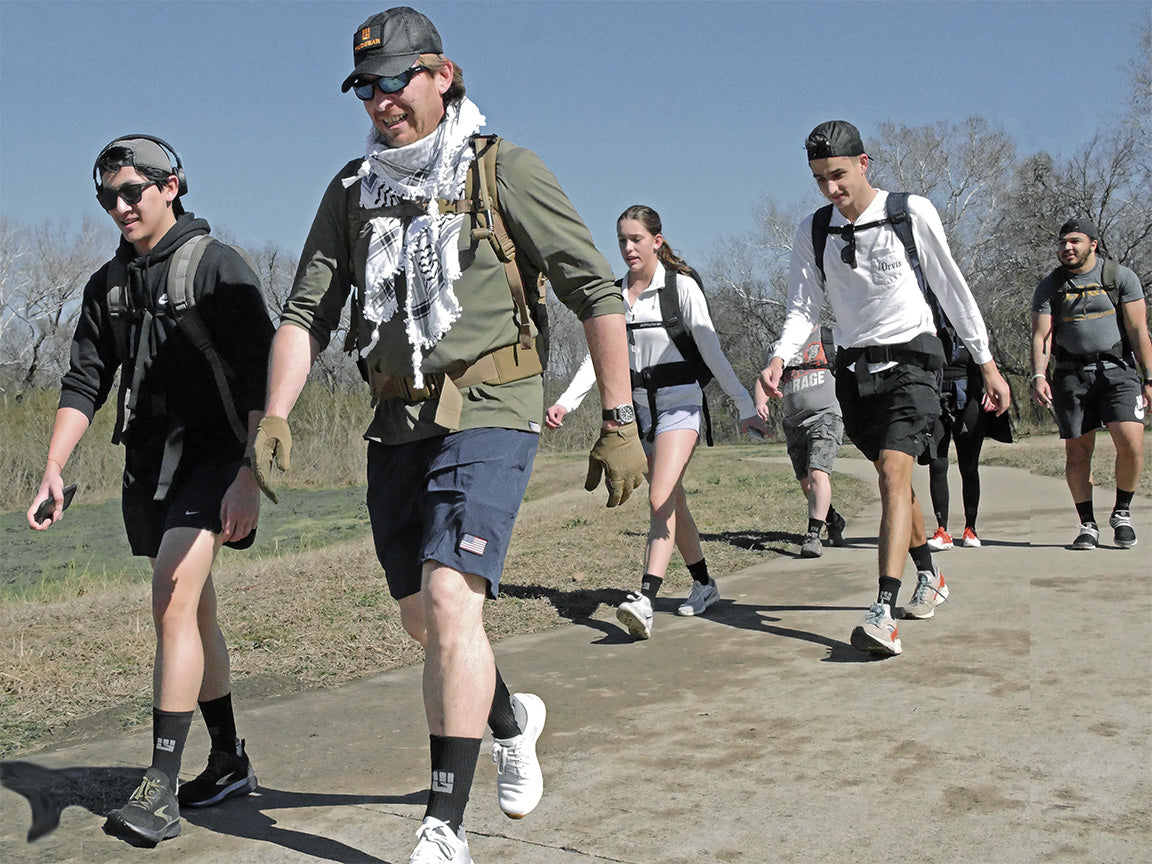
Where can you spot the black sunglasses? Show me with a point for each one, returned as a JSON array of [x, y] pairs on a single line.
[[848, 253], [365, 90], [130, 193]]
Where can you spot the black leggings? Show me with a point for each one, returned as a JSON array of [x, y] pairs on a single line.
[[968, 462]]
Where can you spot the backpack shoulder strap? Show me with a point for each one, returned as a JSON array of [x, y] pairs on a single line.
[[821, 219], [1110, 278], [182, 297], [896, 209]]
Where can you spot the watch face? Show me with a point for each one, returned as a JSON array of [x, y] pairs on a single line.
[[626, 414]]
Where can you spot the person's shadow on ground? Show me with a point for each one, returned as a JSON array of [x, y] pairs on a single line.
[[49, 791]]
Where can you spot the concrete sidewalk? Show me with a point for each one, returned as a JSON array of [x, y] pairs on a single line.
[[1014, 728]]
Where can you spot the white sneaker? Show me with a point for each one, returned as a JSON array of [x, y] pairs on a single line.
[[635, 613], [878, 634], [519, 781], [438, 845], [930, 592], [700, 598]]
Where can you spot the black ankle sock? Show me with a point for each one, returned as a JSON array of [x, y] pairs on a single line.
[[1123, 500], [650, 586], [453, 766], [1085, 512], [221, 722], [169, 732], [815, 526], [889, 589], [921, 557], [502, 716], [699, 571]]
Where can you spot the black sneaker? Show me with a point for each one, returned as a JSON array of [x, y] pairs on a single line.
[[151, 813], [1088, 538], [227, 776], [1124, 535], [836, 529]]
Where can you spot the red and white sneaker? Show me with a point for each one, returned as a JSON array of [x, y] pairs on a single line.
[[970, 539], [940, 541]]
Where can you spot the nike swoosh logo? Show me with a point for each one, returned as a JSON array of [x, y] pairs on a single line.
[[191, 512], [223, 781], [162, 812]]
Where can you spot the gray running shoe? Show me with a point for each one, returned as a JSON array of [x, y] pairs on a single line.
[[635, 613], [152, 812], [878, 633], [699, 598], [1124, 535], [836, 529], [930, 592], [1088, 538], [811, 547]]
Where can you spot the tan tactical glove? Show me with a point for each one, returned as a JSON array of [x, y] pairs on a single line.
[[273, 447], [620, 457]]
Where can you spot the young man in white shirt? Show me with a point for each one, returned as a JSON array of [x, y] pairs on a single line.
[[890, 359]]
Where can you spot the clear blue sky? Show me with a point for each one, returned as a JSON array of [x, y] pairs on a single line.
[[696, 108]]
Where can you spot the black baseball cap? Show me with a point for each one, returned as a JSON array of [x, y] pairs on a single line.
[[833, 138], [1080, 225], [390, 42]]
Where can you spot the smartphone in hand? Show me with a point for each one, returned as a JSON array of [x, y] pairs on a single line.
[[49, 504]]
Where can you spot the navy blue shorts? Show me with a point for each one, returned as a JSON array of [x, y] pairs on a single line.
[[193, 502], [452, 500]]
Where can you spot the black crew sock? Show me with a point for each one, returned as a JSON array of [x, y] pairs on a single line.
[[221, 723], [815, 526], [889, 589], [921, 557], [699, 571], [169, 732], [1123, 500], [1085, 512], [650, 586], [502, 716], [453, 767], [831, 517]]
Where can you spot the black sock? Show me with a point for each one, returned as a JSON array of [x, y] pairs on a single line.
[[650, 586], [699, 571], [453, 766], [921, 556], [502, 716], [1084, 510], [889, 588], [169, 732], [815, 526], [221, 722], [1123, 500], [831, 517]]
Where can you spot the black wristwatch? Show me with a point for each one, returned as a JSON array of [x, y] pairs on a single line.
[[622, 414]]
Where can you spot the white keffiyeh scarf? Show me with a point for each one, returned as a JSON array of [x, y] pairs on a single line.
[[425, 249]]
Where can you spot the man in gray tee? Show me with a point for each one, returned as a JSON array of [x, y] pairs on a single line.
[[1089, 319]]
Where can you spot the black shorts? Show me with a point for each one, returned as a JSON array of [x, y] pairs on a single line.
[[451, 499], [192, 502], [899, 415], [1085, 399]]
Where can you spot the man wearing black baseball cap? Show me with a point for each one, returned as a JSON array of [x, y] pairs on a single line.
[[446, 339], [1089, 318], [187, 486], [889, 356]]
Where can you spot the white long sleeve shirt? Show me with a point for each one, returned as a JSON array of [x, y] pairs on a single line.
[[879, 302], [651, 345]]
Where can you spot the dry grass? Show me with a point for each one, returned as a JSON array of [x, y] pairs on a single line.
[[83, 665]]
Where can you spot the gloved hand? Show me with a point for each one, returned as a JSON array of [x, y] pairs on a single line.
[[618, 454], [273, 447]]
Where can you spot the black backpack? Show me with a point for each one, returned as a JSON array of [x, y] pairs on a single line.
[[691, 369], [896, 213], [1109, 281]]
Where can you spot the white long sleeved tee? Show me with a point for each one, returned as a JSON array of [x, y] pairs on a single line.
[[879, 302], [651, 345]]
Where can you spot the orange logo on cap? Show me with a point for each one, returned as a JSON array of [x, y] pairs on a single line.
[[364, 40]]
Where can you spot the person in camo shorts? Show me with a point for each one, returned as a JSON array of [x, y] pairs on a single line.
[[814, 430]]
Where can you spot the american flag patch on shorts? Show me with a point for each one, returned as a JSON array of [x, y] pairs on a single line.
[[472, 543]]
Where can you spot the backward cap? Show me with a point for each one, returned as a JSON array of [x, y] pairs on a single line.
[[142, 153], [390, 42], [833, 138], [1080, 225]]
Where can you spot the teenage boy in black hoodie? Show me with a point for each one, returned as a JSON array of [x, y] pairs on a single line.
[[188, 486]]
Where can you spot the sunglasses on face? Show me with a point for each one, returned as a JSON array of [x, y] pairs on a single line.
[[130, 193], [365, 90]]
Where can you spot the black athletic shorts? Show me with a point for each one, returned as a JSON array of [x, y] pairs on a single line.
[[1086, 399], [898, 416], [192, 502]]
